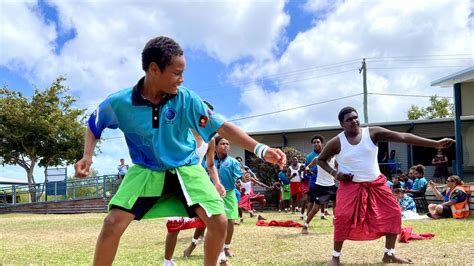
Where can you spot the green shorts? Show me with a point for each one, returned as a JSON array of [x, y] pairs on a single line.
[[231, 206], [285, 192], [152, 194]]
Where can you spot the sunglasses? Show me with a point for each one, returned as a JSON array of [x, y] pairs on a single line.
[[449, 180]]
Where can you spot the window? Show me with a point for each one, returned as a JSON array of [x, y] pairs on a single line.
[[424, 155]]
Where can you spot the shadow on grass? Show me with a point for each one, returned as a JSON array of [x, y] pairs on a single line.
[[299, 234]]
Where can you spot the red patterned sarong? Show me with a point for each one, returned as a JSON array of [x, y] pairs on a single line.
[[366, 211]]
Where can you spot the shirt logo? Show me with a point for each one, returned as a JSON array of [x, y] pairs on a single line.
[[170, 114], [203, 121], [210, 112]]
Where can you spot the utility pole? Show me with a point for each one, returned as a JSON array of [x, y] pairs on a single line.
[[363, 69]]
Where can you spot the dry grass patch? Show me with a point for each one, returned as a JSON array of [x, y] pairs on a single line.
[[70, 239]]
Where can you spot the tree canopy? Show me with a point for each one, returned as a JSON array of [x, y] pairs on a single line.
[[439, 108], [44, 130]]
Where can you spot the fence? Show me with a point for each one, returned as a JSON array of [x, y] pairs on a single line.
[[84, 188]]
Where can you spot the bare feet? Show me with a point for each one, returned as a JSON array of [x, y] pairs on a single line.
[[189, 250], [334, 261], [260, 217], [304, 231], [392, 259], [228, 252]]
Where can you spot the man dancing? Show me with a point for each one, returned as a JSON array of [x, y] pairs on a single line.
[[366, 208], [324, 189]]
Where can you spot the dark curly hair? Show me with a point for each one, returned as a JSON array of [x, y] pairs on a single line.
[[321, 138], [160, 50], [344, 111]]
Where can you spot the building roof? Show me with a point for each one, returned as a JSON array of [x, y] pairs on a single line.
[[466, 75], [382, 124], [12, 181]]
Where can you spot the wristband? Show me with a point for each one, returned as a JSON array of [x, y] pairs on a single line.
[[260, 150]]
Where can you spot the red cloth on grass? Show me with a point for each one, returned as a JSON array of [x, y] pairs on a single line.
[[366, 211], [407, 234], [179, 224], [288, 223]]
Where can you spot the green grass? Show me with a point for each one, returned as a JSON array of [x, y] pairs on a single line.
[[70, 239]]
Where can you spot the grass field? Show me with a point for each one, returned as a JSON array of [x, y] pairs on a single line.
[[70, 239]]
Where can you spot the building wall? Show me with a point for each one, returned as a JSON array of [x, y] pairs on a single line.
[[467, 98], [302, 142], [468, 149]]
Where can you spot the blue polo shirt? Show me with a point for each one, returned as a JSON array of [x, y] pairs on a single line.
[[312, 178], [283, 178], [158, 136], [420, 183], [229, 170]]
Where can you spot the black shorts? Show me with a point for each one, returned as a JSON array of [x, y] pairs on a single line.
[[312, 196], [447, 212], [323, 194], [171, 187]]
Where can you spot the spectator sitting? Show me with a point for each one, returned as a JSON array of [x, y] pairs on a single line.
[[406, 203], [455, 200], [411, 178], [419, 185], [395, 183], [405, 182]]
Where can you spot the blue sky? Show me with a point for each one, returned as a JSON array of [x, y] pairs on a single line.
[[245, 57]]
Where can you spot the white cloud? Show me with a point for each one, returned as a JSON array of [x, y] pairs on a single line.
[[358, 29], [104, 55], [319, 6], [25, 39]]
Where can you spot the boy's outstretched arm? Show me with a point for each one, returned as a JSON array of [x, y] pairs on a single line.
[[235, 135], [82, 167]]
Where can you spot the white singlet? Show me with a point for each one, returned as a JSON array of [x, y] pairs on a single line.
[[247, 186], [360, 159], [297, 178], [324, 178], [202, 150]]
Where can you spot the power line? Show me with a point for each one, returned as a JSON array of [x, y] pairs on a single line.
[[404, 67], [421, 59], [418, 56], [279, 75], [317, 103], [294, 80], [408, 95], [294, 108]]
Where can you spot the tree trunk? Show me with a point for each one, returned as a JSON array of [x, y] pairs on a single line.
[[31, 182], [31, 185]]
